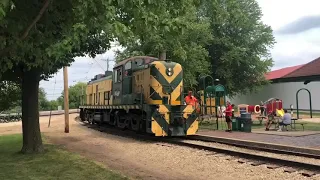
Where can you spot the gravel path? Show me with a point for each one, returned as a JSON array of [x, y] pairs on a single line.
[[143, 160]]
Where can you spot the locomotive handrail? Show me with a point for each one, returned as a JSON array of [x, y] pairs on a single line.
[[154, 91]]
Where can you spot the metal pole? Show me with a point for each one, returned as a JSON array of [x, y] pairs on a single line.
[[66, 99], [310, 102], [297, 102], [82, 98]]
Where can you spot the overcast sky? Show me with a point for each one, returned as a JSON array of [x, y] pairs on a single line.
[[296, 26]]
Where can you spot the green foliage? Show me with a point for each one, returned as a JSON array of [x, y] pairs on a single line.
[[75, 93], [183, 38], [223, 38], [44, 104], [10, 95], [54, 105], [5, 6], [239, 51]]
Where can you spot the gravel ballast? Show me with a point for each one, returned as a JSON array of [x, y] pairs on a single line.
[[268, 154]]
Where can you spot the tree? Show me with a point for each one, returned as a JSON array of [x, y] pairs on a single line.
[[185, 46], [10, 95], [44, 104], [239, 53], [39, 37], [54, 105], [77, 93]]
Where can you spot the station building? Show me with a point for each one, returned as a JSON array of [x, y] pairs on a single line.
[[284, 85]]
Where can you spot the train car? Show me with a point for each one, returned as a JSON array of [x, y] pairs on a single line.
[[142, 94]]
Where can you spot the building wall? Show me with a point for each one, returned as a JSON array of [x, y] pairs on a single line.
[[286, 92]]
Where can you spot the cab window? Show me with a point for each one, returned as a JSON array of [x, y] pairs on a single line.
[[117, 75], [128, 65], [139, 62]]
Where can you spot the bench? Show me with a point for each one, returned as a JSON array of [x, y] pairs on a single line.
[[302, 124]]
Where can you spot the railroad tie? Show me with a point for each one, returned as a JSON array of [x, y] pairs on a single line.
[[308, 173], [256, 163], [290, 170], [272, 166]]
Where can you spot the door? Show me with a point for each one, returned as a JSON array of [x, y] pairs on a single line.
[[117, 85]]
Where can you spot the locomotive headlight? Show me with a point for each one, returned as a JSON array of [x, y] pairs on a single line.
[[169, 71]]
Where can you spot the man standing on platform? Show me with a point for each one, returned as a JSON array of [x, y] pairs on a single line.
[[228, 113]]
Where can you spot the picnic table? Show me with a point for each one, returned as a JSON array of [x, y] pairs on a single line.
[[293, 123], [261, 118]]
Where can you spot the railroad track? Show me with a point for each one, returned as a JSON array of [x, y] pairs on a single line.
[[306, 169], [15, 117], [290, 166], [266, 147]]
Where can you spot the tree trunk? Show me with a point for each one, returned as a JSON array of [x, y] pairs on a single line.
[[32, 142], [163, 55]]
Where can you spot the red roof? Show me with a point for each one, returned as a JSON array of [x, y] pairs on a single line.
[[310, 69], [276, 74]]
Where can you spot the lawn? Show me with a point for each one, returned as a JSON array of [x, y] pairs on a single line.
[[256, 125], [53, 164]]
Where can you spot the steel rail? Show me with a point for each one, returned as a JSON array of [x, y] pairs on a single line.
[[283, 162], [278, 149]]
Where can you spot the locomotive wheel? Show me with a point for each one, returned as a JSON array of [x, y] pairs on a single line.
[[90, 119], [135, 124], [112, 121], [120, 122], [87, 116]]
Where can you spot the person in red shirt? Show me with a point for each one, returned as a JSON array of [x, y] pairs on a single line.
[[191, 100], [228, 113]]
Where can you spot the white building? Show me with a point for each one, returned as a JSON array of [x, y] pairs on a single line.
[[286, 83]]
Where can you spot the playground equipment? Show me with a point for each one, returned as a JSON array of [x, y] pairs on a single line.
[[280, 112], [297, 101], [245, 108], [272, 105], [212, 97]]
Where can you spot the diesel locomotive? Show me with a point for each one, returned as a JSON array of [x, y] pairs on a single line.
[[144, 94]]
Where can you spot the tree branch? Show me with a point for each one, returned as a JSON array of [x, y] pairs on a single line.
[[38, 17], [27, 30]]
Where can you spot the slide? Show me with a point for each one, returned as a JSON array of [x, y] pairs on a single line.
[[280, 112]]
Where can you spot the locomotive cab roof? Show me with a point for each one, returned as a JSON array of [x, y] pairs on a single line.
[[137, 59]]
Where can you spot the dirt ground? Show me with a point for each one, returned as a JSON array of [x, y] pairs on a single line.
[[143, 160]]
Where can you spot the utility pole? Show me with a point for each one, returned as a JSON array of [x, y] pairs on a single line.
[[66, 99], [108, 60]]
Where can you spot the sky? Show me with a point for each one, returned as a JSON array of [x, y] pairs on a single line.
[[296, 28]]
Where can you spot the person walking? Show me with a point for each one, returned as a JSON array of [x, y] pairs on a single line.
[[228, 115]]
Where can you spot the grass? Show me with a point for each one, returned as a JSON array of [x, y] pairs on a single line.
[[307, 114], [308, 126], [53, 164]]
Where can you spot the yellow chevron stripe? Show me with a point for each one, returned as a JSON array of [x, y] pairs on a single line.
[[176, 93], [163, 109], [162, 69], [193, 128], [156, 128]]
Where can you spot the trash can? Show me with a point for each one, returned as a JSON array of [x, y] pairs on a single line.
[[238, 123], [246, 122], [234, 124]]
